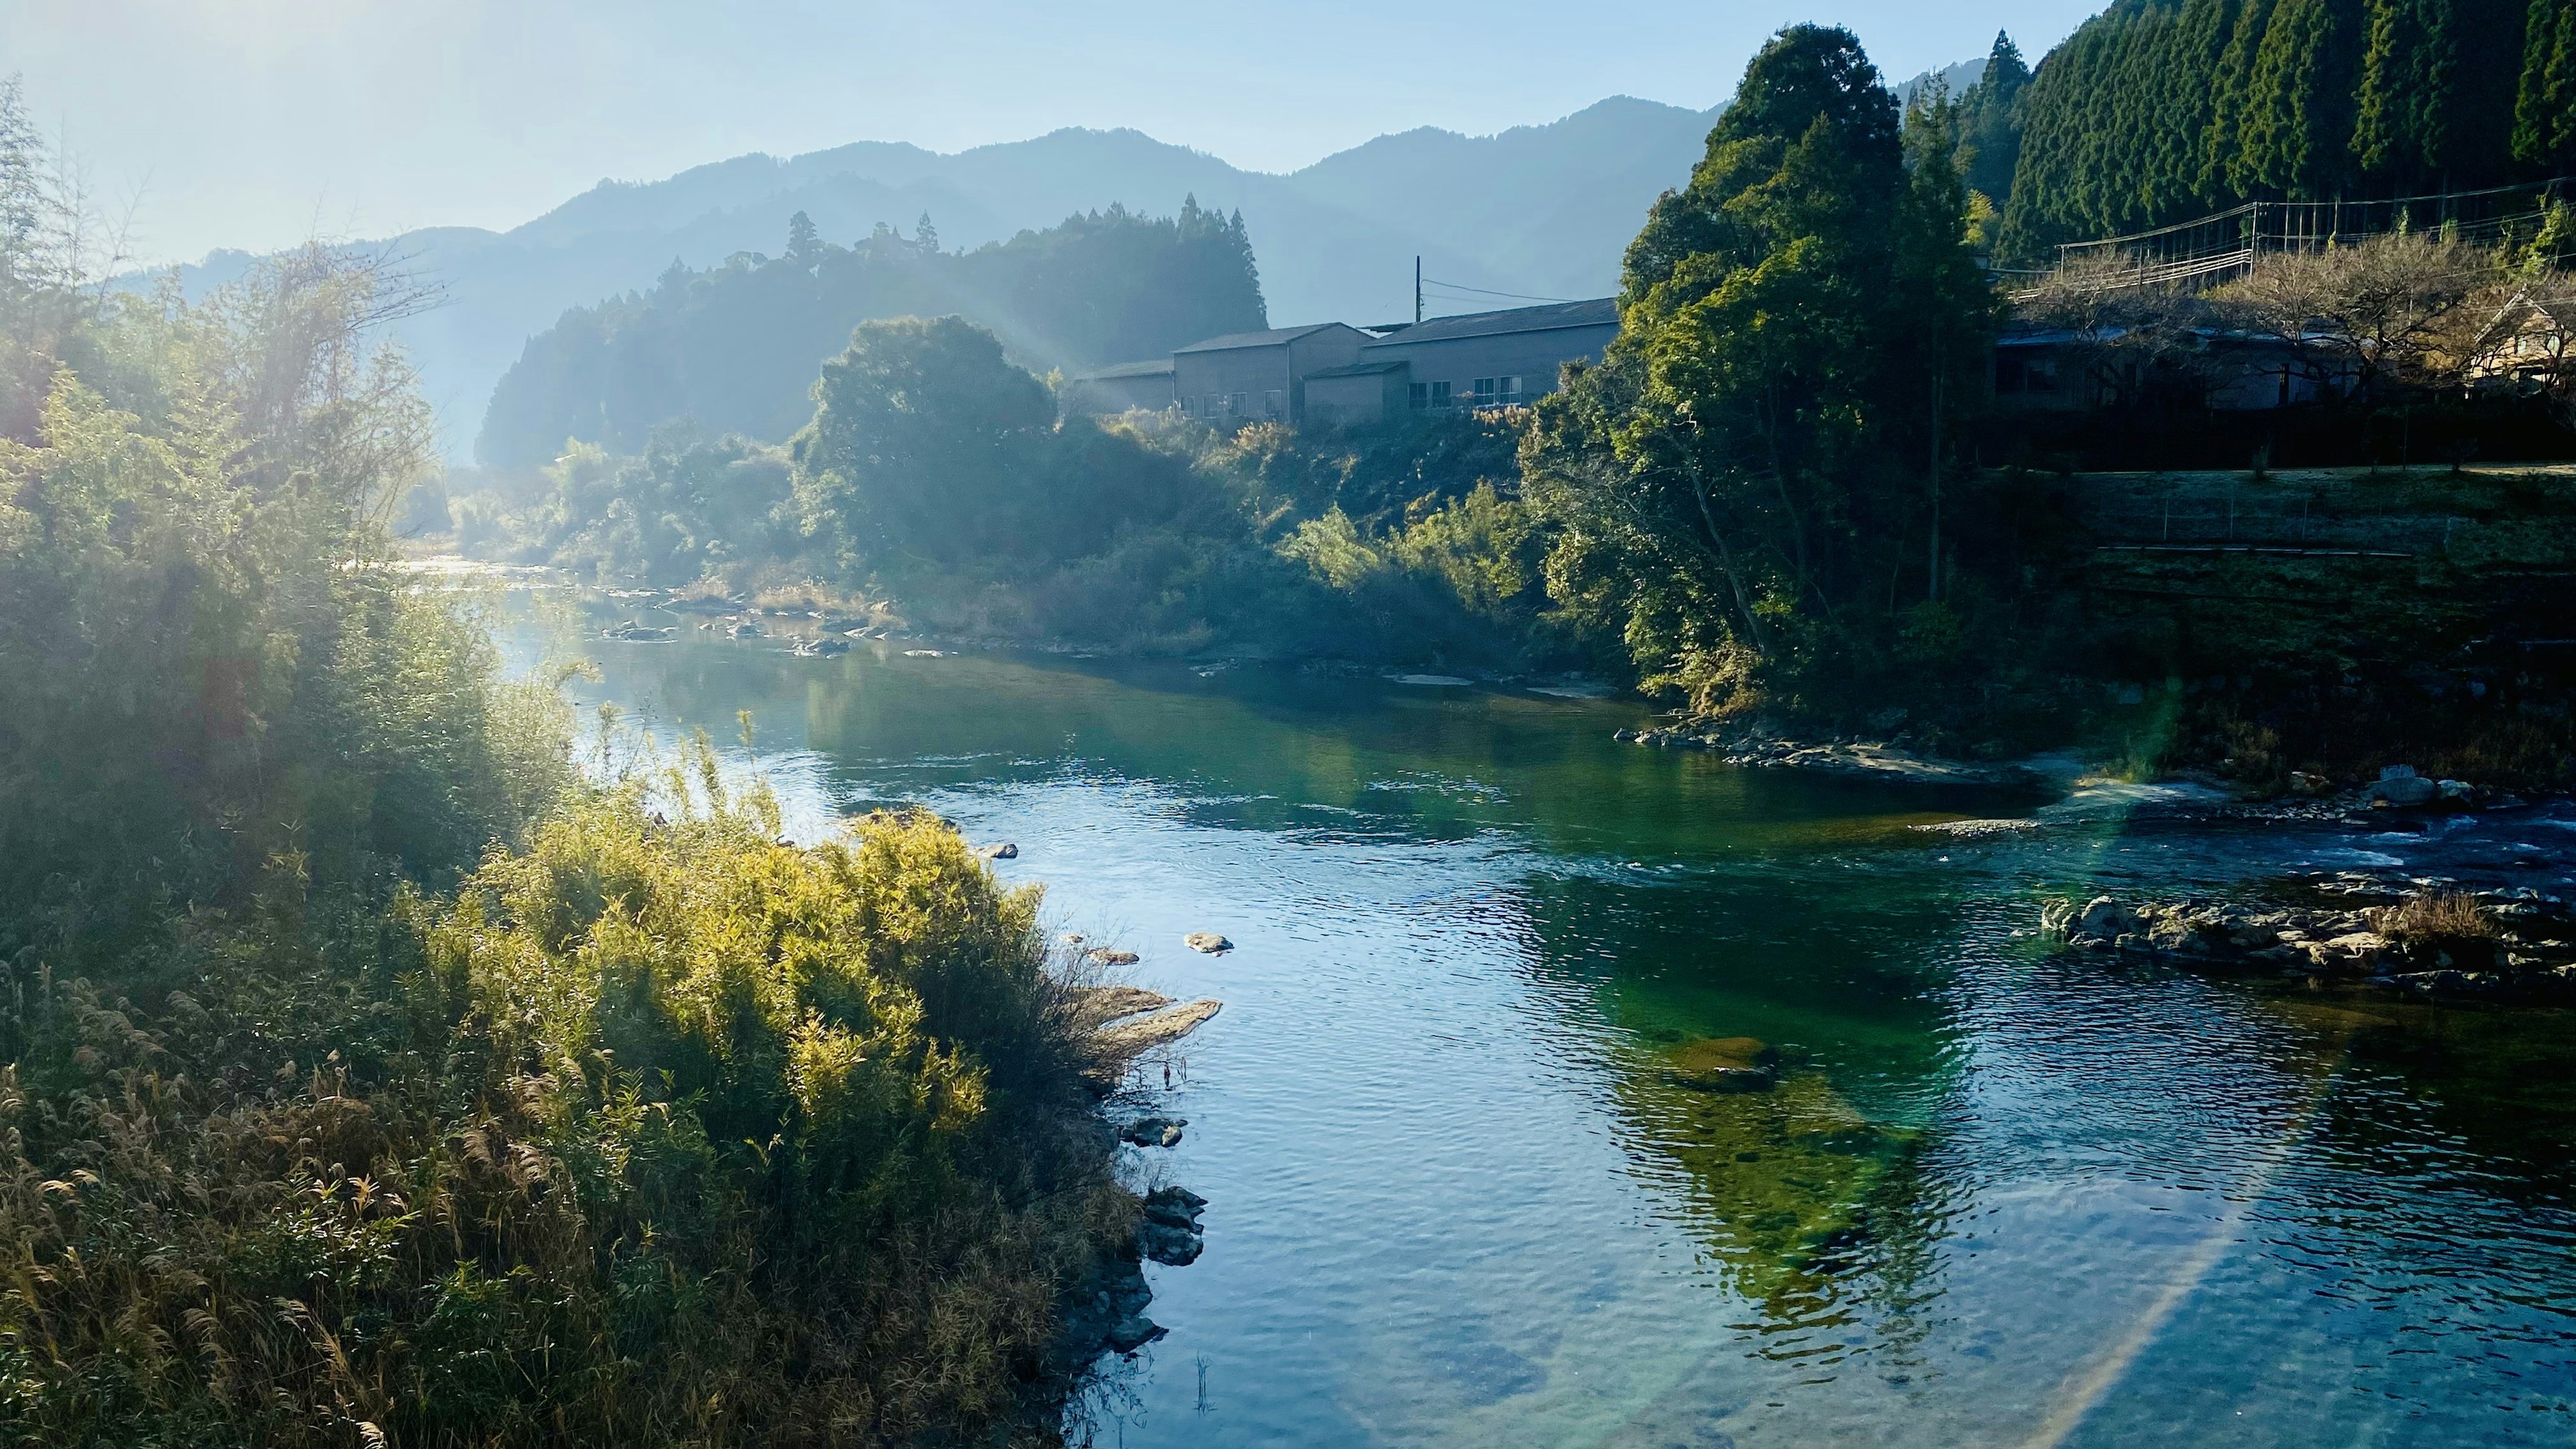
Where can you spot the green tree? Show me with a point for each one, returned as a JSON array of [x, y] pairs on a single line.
[[2427, 117], [1802, 325], [1991, 121], [2544, 117], [923, 442], [804, 242], [2297, 138]]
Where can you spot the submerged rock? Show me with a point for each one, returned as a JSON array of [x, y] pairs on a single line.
[[1207, 941], [1724, 1064], [1103, 956]]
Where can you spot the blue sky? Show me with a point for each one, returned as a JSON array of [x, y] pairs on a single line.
[[257, 123]]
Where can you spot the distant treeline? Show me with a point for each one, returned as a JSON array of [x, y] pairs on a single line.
[[2155, 111], [736, 347]]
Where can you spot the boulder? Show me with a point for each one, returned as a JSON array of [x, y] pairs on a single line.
[[2400, 786], [1138, 1035], [1134, 1332], [1207, 941], [1106, 957], [1170, 1233], [2104, 918], [1154, 1131], [1003, 851], [1097, 1006]]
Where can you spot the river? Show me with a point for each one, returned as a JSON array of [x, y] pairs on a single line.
[[1460, 1195]]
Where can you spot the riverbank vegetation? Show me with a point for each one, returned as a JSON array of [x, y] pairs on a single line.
[[368, 1075]]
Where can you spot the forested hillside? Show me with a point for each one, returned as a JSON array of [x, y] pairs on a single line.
[[736, 347], [2159, 110]]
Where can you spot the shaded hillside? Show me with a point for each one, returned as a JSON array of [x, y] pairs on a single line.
[[736, 347]]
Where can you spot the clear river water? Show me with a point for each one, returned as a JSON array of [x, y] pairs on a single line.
[[1458, 1194]]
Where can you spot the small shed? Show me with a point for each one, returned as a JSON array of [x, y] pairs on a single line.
[[1126, 387]]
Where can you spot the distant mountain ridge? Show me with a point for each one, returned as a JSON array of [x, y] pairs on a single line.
[[1541, 211]]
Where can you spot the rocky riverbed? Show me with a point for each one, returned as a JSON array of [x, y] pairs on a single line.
[[2426, 937]]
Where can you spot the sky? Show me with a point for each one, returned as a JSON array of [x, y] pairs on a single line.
[[256, 124]]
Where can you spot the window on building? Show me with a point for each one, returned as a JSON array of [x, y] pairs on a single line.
[[1189, 406], [1510, 390], [1484, 392], [1421, 395], [1234, 403], [1270, 403], [1439, 395]]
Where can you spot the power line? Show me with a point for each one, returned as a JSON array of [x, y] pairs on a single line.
[[1489, 292]]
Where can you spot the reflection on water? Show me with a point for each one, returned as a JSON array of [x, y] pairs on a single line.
[[1575, 1094]]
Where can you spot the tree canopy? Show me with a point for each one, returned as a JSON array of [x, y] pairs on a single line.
[[1765, 440], [2155, 111]]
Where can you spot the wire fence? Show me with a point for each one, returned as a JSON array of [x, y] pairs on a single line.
[[2179, 517], [2212, 249]]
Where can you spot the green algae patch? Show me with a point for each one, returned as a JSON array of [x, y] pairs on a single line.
[[1780, 1177]]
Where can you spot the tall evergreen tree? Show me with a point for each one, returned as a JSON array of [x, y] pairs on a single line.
[[2297, 133], [1990, 120], [804, 242], [2544, 119], [2230, 97], [2189, 103]]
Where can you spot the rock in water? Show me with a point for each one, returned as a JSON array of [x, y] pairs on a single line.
[[1106, 957], [2400, 786], [1170, 1232], [1140, 1034], [1208, 941], [1134, 1332], [1004, 851], [1154, 1131], [1725, 1064]]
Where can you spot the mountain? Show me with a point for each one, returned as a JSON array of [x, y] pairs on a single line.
[[1536, 211]]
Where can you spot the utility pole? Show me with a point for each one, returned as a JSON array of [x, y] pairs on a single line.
[[1417, 289]]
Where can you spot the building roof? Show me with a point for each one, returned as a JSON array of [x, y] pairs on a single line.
[[1599, 312], [1357, 369], [1275, 337], [1159, 367]]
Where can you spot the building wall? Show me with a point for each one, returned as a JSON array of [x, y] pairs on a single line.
[[1533, 357], [1260, 382], [1246, 382], [1351, 401]]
